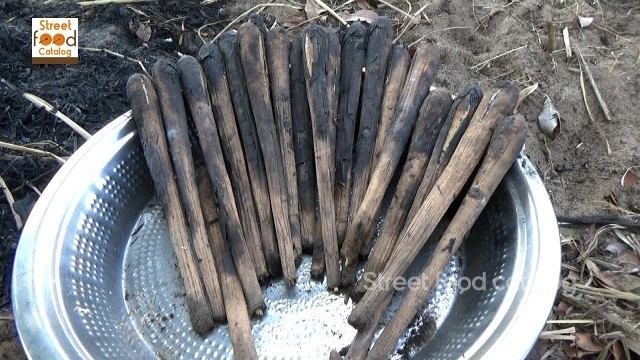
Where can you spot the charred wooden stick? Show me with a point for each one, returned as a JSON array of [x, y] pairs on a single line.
[[303, 146], [174, 114], [255, 164], [234, 301], [396, 73], [255, 71], [425, 63], [495, 105], [506, 142], [351, 65], [315, 72], [333, 83], [147, 115], [194, 88], [375, 64], [224, 115], [359, 347], [278, 51], [430, 119], [457, 122]]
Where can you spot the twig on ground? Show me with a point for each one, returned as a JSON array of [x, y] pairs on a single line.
[[333, 13], [40, 103], [31, 151], [592, 81], [406, 14], [107, 51], [622, 220], [10, 200], [105, 2], [481, 64], [436, 31], [261, 6], [586, 104]]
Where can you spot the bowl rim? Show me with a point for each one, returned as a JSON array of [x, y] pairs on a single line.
[[514, 335]]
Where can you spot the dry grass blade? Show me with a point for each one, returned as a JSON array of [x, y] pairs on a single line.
[[105, 2], [248, 12], [601, 292], [436, 31], [332, 12], [586, 104], [406, 14], [31, 151], [483, 63], [592, 81], [107, 51], [40, 103], [10, 200]]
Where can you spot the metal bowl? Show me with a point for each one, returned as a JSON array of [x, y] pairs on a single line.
[[95, 275]]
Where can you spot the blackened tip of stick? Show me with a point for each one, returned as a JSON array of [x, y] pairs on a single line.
[[163, 66], [229, 38], [473, 91], [206, 51], [356, 29], [258, 21], [381, 23]]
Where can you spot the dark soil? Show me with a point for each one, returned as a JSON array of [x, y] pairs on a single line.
[[578, 172]]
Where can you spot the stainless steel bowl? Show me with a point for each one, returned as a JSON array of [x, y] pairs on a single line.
[[95, 276]]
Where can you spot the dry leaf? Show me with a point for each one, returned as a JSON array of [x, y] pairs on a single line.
[[363, 4], [362, 15], [549, 120], [312, 9], [293, 21], [617, 349], [615, 280], [628, 260], [562, 308], [143, 32], [585, 21], [524, 93], [587, 342], [629, 179]]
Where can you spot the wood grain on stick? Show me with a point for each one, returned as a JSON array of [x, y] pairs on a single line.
[[457, 122], [498, 102], [254, 65], [333, 91], [430, 119], [147, 114], [399, 61], [234, 301], [351, 65], [224, 115], [174, 115], [315, 71], [359, 347], [506, 142], [255, 164], [379, 43], [303, 146], [424, 66], [194, 87], [278, 49]]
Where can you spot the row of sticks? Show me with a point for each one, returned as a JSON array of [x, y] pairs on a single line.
[[300, 140]]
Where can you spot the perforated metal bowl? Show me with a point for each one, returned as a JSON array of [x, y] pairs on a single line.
[[95, 275]]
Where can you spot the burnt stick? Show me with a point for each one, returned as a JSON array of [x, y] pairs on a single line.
[[230, 50], [194, 87], [497, 103], [255, 71], [506, 142], [278, 49], [146, 113], [224, 115]]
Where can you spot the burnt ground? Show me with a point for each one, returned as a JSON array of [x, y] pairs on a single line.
[[578, 172]]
